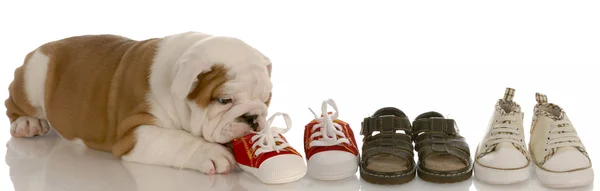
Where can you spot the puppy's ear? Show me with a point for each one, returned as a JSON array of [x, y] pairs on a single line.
[[190, 66]]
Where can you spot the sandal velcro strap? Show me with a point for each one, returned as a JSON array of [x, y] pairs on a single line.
[[385, 124], [437, 125]]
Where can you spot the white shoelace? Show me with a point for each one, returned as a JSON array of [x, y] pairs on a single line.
[[329, 130], [269, 139], [564, 136], [505, 129]]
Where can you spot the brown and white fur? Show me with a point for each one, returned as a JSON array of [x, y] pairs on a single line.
[[171, 101]]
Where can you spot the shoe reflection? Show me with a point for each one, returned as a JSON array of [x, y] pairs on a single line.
[[522, 186], [251, 183], [531, 184], [418, 184]]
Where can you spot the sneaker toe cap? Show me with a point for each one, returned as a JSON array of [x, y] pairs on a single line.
[[505, 156], [282, 167], [332, 164], [567, 159]]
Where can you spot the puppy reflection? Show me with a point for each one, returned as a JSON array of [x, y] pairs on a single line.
[[151, 177], [60, 165], [50, 163]]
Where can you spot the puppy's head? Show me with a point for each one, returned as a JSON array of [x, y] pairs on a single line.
[[226, 84]]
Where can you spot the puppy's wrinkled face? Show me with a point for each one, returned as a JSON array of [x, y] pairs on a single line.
[[230, 102]]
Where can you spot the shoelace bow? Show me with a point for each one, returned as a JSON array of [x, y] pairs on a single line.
[[563, 135], [329, 131], [505, 129], [269, 139]]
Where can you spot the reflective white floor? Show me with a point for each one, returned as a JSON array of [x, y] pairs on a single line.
[[49, 163]]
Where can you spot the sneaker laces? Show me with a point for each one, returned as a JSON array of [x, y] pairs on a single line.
[[505, 129], [269, 139], [329, 131], [562, 135]]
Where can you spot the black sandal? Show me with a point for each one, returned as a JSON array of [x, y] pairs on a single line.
[[387, 157], [444, 155]]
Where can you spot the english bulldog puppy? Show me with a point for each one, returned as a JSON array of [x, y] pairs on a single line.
[[171, 101]]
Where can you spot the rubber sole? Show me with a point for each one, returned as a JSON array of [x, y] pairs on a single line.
[[497, 176], [565, 179], [336, 177], [387, 179], [272, 178], [445, 178]]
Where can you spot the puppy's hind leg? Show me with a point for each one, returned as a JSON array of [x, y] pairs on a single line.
[[25, 104]]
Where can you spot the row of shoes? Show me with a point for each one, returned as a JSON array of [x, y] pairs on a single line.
[[390, 139]]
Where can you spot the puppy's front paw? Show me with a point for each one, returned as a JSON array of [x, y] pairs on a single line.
[[213, 158], [26, 126]]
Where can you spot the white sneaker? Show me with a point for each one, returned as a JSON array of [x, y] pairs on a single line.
[[501, 157], [560, 157]]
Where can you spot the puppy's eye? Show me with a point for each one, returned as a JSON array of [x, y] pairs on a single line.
[[224, 101]]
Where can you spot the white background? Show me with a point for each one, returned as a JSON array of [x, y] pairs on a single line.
[[455, 57]]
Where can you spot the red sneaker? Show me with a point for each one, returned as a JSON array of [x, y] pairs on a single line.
[[268, 156], [330, 147]]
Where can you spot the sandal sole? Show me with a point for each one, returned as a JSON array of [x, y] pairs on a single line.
[[445, 178], [387, 179]]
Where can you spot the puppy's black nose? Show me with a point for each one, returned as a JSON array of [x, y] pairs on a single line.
[[251, 120]]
